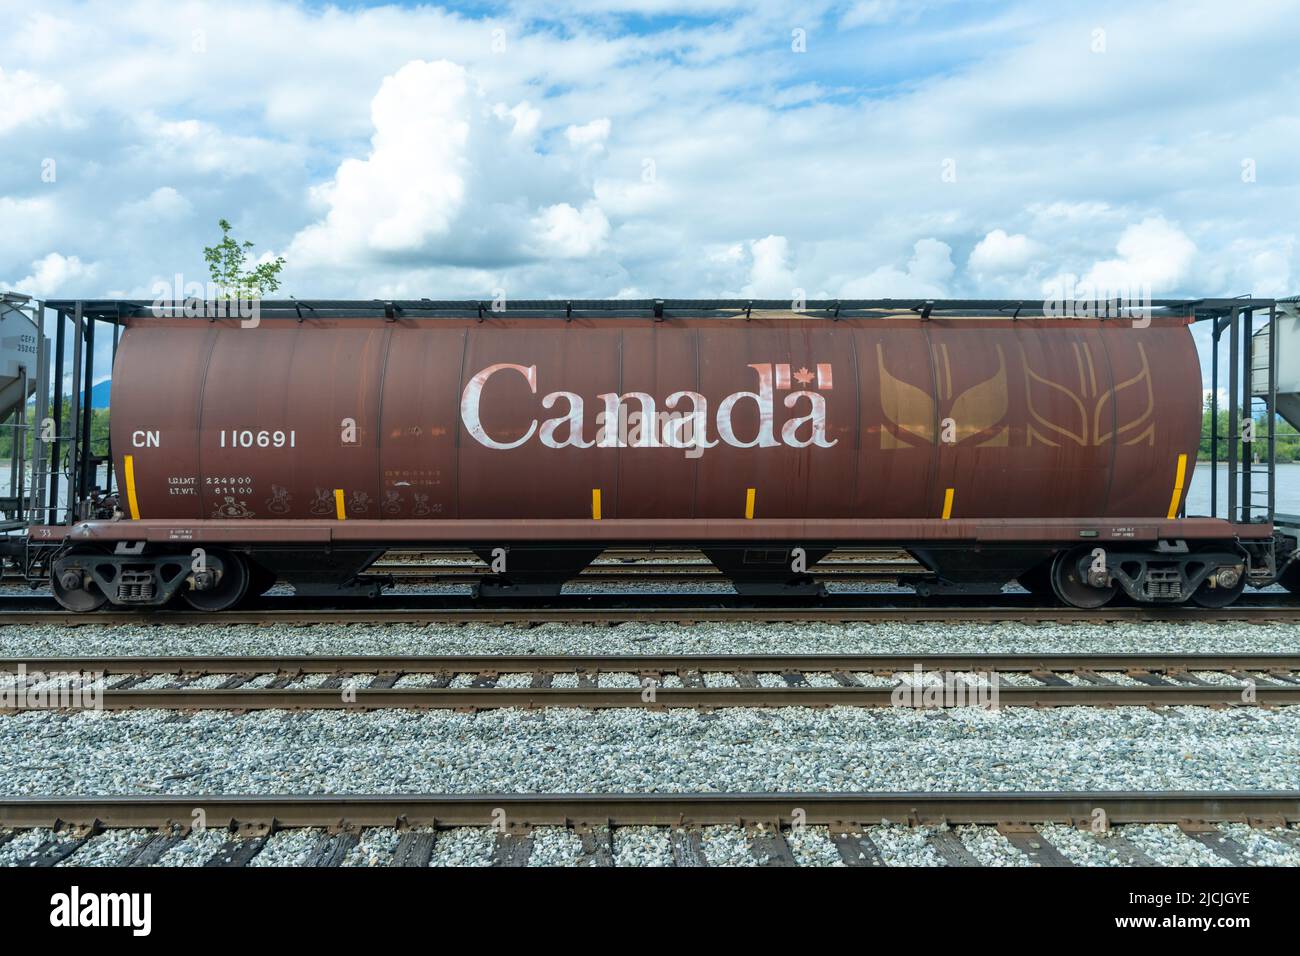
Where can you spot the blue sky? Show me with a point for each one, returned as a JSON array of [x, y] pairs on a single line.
[[654, 147]]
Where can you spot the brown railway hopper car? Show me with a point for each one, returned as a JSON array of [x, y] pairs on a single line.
[[297, 448]]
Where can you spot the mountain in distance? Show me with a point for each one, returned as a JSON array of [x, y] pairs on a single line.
[[98, 395]]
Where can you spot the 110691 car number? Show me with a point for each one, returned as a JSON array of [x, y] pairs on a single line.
[[247, 438]]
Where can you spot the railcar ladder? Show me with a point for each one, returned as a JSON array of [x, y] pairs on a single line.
[[1247, 441], [1276, 350]]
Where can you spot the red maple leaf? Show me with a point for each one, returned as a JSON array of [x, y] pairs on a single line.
[[803, 377]]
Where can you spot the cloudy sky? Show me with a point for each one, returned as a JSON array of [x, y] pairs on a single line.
[[691, 148]]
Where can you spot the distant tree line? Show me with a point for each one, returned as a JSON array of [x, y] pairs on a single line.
[[98, 431], [1287, 443]]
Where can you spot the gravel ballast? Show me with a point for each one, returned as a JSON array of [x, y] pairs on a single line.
[[639, 638], [637, 749], [630, 749]]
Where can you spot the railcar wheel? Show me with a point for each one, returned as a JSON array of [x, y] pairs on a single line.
[[231, 585], [76, 592], [1071, 587], [1215, 595]]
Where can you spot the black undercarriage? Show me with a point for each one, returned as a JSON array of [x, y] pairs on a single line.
[[86, 577]]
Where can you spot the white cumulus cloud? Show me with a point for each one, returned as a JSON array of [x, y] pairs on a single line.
[[770, 273], [410, 187], [450, 181], [25, 98], [999, 252], [590, 135], [53, 274], [927, 274], [568, 233], [1152, 252]]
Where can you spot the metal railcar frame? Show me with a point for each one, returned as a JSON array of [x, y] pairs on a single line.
[[75, 501]]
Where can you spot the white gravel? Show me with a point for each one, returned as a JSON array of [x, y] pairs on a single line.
[[307, 681], [287, 848], [156, 682], [990, 847], [1263, 847], [1019, 680], [633, 638], [635, 749], [727, 846], [515, 680], [375, 848], [196, 849], [812, 846], [642, 846], [555, 846], [873, 680], [1169, 846], [648, 587], [1083, 848], [1123, 680], [620, 679], [109, 848], [1214, 677], [464, 846], [207, 682], [413, 680], [24, 845], [821, 679], [904, 846]]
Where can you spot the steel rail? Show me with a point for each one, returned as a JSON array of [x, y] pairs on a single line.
[[637, 663], [273, 812]]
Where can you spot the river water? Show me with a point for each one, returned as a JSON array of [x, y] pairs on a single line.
[[1286, 490]]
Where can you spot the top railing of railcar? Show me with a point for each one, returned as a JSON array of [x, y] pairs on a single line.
[[115, 310]]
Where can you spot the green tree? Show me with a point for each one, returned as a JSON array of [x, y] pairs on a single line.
[[98, 432], [226, 266], [1287, 440]]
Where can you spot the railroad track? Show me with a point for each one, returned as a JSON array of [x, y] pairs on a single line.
[[853, 822], [665, 681], [659, 608]]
